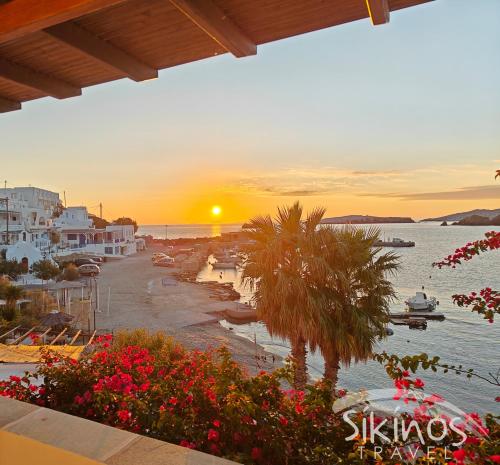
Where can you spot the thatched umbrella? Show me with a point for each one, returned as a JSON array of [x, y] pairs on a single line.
[[56, 319]]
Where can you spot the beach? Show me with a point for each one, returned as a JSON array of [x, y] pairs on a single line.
[[145, 296]]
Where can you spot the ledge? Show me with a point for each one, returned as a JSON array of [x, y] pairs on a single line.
[[28, 431]]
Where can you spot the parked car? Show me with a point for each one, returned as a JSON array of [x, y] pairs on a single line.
[[89, 269], [85, 261], [165, 261], [158, 255], [98, 260]]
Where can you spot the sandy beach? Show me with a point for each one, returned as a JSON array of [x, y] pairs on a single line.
[[145, 296]]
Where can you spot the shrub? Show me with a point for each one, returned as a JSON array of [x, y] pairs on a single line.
[[70, 272], [200, 400]]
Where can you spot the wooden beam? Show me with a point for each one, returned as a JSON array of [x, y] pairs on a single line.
[[58, 336], [75, 337], [21, 17], [379, 11], [85, 42], [209, 17], [10, 331], [30, 78], [23, 336], [8, 105], [91, 338]]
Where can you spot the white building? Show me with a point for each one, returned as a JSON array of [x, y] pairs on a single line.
[[34, 213], [78, 234], [26, 215]]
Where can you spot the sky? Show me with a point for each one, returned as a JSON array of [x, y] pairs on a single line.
[[401, 119]]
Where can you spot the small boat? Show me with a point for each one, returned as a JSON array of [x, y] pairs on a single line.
[[417, 323], [421, 303], [395, 242], [242, 312], [229, 265]]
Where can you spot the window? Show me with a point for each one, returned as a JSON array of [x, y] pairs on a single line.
[[72, 237], [117, 250], [108, 250]]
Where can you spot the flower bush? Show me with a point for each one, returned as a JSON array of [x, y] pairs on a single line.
[[202, 400]]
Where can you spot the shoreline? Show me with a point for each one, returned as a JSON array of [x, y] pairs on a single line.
[[145, 296]]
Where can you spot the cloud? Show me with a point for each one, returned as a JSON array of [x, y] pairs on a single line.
[[463, 193], [300, 182]]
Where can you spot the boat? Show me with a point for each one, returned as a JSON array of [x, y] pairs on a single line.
[[417, 323], [421, 303], [242, 312], [394, 242], [227, 265]]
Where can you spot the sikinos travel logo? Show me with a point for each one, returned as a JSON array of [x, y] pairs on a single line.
[[406, 425]]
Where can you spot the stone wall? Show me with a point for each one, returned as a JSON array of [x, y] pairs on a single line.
[[36, 435]]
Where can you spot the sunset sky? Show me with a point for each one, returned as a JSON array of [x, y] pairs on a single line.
[[401, 119]]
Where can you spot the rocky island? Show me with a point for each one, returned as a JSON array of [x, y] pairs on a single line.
[[366, 219]]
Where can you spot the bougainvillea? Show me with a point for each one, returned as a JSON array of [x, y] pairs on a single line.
[[203, 400], [471, 250], [486, 303]]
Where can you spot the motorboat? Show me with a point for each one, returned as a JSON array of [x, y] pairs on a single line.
[[421, 303], [394, 242], [226, 265]]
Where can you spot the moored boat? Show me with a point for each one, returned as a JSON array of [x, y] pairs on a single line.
[[242, 312], [394, 242], [421, 303]]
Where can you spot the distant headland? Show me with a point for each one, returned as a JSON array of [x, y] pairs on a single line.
[[478, 217], [463, 215], [366, 219]]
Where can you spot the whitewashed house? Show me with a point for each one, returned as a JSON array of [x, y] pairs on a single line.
[[26, 215], [34, 213], [78, 234]]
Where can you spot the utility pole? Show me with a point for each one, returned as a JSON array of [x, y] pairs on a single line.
[[6, 200], [166, 231], [100, 210]]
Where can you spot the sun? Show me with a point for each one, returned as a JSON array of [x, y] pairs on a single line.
[[216, 210]]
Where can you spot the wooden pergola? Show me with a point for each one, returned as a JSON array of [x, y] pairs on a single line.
[[57, 47]]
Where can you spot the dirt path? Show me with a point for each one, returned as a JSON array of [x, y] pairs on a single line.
[[144, 296]]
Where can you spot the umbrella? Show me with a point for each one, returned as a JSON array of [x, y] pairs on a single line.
[[56, 319]]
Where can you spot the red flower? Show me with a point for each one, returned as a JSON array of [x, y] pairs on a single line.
[[256, 453], [216, 423], [419, 383], [173, 400], [495, 458], [123, 415], [186, 443], [283, 421], [213, 435]]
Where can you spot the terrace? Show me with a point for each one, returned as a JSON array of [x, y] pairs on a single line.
[[56, 49]]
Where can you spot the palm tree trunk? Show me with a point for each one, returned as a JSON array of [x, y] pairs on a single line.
[[332, 366], [298, 354]]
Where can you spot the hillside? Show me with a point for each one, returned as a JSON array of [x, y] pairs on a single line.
[[463, 215], [366, 219]]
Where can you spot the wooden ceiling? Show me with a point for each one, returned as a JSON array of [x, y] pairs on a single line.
[[57, 47]]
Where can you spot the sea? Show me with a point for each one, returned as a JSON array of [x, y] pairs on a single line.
[[464, 338]]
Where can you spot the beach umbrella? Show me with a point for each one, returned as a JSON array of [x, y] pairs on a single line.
[[56, 319]]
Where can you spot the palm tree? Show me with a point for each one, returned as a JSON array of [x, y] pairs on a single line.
[[357, 293], [277, 271], [12, 294], [321, 287]]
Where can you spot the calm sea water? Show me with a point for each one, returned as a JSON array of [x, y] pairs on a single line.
[[176, 231], [463, 338]]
